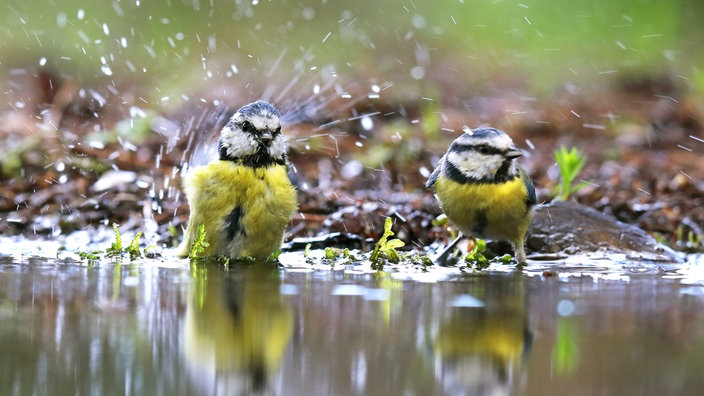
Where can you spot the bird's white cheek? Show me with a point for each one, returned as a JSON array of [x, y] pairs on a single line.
[[473, 165], [239, 144], [278, 147]]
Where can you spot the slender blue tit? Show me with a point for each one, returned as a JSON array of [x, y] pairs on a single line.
[[245, 198], [483, 190]]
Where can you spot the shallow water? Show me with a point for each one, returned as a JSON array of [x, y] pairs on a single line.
[[166, 327]]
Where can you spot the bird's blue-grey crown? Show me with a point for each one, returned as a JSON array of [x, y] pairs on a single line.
[[253, 136], [259, 107]]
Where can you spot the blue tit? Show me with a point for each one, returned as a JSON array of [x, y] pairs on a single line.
[[245, 198], [483, 190]]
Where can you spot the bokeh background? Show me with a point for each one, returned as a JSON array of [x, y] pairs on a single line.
[[174, 47]]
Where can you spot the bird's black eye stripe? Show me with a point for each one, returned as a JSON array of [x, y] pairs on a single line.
[[247, 126], [480, 148], [277, 130], [484, 149]]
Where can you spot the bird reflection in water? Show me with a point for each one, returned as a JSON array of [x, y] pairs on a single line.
[[237, 328], [481, 346]]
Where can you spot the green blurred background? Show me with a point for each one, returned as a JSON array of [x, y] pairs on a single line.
[[175, 46]]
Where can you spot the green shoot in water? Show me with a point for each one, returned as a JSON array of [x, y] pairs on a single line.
[[133, 248], [274, 256], [692, 243], [385, 248], [570, 162], [476, 255], [116, 249], [199, 244]]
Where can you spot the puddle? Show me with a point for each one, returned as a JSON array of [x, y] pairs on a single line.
[[163, 326]]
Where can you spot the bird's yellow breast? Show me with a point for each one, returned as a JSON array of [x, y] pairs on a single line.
[[486, 210], [263, 198]]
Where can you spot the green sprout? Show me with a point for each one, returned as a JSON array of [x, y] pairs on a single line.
[[691, 243], [174, 233], [330, 253], [385, 248], [91, 257], [116, 248], [570, 163], [439, 221], [476, 256], [199, 244], [133, 248], [274, 256]]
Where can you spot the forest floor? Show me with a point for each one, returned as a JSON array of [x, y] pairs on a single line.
[[77, 157]]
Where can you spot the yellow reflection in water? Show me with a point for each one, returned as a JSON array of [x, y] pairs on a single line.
[[481, 346], [237, 328]]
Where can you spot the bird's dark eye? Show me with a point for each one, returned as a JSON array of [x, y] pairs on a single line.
[[483, 149], [277, 130], [247, 126]]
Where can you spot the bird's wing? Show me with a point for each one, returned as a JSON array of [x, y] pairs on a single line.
[[436, 173], [532, 199]]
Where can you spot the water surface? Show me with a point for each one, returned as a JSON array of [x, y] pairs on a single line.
[[168, 327]]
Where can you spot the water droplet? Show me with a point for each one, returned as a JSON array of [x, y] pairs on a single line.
[[418, 21], [61, 19], [308, 13], [367, 123], [42, 61], [80, 14], [417, 72]]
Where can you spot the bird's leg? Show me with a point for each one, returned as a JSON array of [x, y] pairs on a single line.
[[445, 253], [519, 252]]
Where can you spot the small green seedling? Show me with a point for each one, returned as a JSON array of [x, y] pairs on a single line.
[[385, 248], [570, 162], [174, 235], [476, 256], [331, 253], [116, 248], [133, 249], [274, 256], [691, 243], [91, 257], [199, 244]]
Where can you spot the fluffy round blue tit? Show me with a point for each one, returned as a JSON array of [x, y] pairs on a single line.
[[483, 190], [244, 199]]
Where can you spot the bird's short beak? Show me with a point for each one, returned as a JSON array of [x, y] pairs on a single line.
[[266, 137], [513, 153]]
